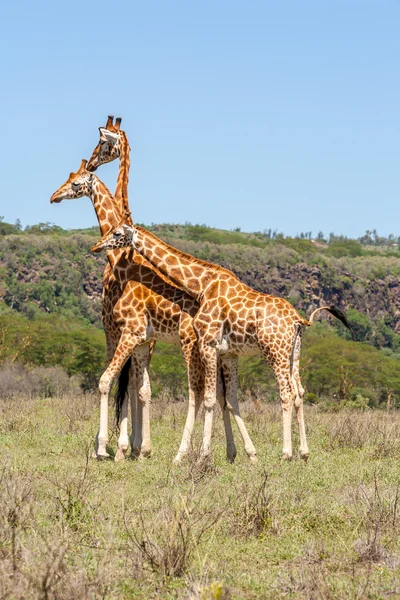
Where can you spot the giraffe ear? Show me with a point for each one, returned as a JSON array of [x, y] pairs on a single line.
[[126, 228], [108, 136]]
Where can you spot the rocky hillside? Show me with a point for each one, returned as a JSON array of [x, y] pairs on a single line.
[[50, 301], [48, 269]]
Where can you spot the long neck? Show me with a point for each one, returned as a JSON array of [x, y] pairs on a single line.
[[106, 210], [190, 274], [121, 191]]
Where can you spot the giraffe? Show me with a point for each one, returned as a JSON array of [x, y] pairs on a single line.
[[110, 296], [149, 309], [233, 320], [113, 144]]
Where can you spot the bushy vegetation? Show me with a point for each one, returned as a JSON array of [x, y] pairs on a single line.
[[50, 305]]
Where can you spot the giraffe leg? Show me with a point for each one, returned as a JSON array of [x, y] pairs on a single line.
[[195, 400], [102, 434], [230, 369], [287, 395], [298, 403], [195, 371], [209, 356], [124, 350], [230, 442], [123, 439], [141, 360]]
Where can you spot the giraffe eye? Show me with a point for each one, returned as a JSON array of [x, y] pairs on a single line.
[[76, 184], [117, 234]]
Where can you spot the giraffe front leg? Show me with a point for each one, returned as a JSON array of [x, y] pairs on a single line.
[[123, 439], [209, 357], [123, 351], [195, 372], [142, 360], [102, 435], [230, 369], [101, 439], [195, 401]]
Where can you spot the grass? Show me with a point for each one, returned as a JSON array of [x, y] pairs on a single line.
[[71, 527]]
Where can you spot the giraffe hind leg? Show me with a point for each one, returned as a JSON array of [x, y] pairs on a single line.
[[230, 369], [298, 403]]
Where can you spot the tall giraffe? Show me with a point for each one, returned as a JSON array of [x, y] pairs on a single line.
[[149, 308], [110, 296], [233, 320], [113, 144]]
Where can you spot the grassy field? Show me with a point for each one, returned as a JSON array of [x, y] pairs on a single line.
[[72, 527]]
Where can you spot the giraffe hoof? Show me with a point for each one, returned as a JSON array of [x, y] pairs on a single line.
[[105, 456], [304, 456], [178, 459], [145, 453], [120, 455], [253, 459], [286, 456], [135, 452]]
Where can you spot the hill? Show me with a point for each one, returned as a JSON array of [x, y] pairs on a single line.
[[50, 308]]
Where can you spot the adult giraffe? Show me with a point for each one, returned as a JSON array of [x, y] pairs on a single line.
[[233, 320], [149, 308]]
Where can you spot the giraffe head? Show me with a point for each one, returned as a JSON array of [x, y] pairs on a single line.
[[78, 184], [109, 146], [121, 236]]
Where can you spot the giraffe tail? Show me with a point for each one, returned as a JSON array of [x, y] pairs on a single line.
[[122, 389], [223, 385], [336, 312], [296, 335]]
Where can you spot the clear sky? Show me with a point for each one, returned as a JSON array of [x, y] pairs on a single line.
[[266, 114]]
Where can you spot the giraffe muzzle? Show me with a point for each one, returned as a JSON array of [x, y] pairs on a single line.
[[98, 247], [55, 198]]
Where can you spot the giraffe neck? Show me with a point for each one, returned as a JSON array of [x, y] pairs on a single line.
[[108, 215], [121, 191], [190, 274]]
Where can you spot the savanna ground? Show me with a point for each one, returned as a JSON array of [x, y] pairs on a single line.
[[72, 527]]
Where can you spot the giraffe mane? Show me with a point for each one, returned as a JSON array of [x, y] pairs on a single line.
[[193, 259]]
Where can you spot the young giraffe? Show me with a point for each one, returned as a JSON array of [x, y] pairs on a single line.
[[149, 308], [233, 320]]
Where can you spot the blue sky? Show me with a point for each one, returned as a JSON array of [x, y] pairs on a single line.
[[250, 114]]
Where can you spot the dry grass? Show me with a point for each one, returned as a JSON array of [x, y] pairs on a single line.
[[75, 528]]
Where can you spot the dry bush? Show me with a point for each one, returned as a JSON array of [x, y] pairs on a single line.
[[165, 541], [13, 414], [18, 380], [36, 563], [70, 497], [380, 521], [75, 409], [373, 429], [16, 503], [255, 513], [198, 467]]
